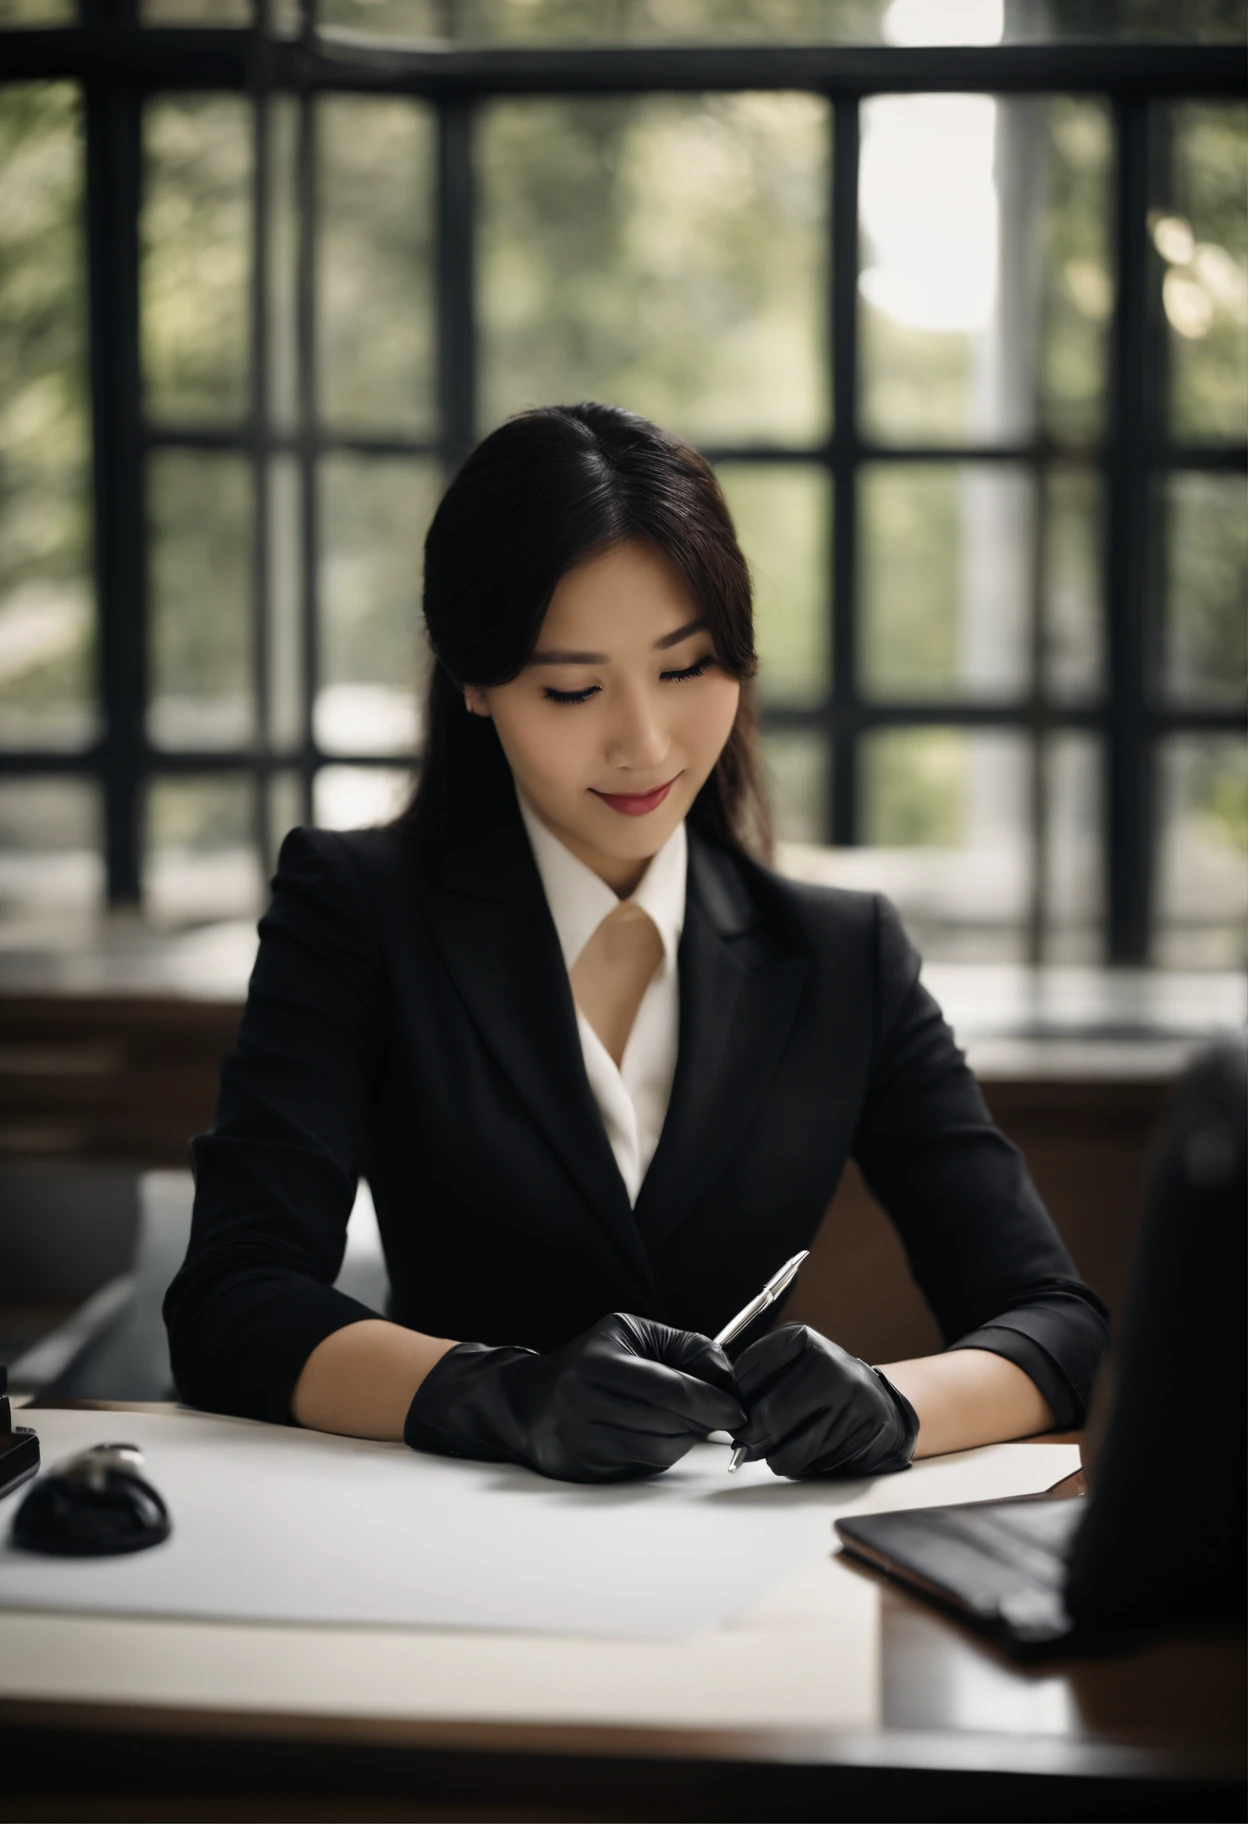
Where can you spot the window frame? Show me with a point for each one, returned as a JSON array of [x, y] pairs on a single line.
[[119, 63]]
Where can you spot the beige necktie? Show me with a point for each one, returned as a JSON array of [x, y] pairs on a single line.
[[614, 970]]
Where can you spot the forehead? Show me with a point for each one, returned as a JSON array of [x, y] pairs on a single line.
[[628, 592]]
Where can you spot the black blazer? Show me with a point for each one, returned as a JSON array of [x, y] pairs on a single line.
[[410, 1019]]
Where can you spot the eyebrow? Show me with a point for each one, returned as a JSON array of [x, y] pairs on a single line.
[[562, 656]]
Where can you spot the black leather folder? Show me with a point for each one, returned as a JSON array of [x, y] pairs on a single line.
[[999, 1564]]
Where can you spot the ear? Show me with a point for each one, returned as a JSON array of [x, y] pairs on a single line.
[[475, 700]]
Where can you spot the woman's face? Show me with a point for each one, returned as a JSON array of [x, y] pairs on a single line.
[[615, 723]]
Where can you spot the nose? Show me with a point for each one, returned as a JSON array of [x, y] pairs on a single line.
[[638, 740]]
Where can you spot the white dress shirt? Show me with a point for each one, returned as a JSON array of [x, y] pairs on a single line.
[[632, 1099]]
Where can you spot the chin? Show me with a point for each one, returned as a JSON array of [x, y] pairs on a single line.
[[637, 844]]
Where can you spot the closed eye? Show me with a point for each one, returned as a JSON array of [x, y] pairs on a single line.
[[583, 696]]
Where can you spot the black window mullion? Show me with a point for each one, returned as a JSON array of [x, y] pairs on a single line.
[[843, 745], [113, 149], [1129, 759]]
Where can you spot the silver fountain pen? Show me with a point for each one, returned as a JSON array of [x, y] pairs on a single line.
[[768, 1296]]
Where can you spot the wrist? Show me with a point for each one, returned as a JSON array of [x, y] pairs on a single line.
[[906, 1425], [461, 1407]]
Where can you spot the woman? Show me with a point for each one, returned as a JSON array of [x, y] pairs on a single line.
[[602, 1067]]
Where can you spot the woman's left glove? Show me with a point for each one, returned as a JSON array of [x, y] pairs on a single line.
[[629, 1397], [816, 1410]]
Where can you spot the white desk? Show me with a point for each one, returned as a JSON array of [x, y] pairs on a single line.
[[247, 1606], [836, 1696]]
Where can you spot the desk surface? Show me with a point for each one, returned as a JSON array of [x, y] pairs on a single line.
[[961, 1732]]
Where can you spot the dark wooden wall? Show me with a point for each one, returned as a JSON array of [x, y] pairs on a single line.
[[105, 1077]]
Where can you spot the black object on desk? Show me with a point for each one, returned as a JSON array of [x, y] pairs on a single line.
[[19, 1448], [1147, 1552], [93, 1505], [1000, 1564]]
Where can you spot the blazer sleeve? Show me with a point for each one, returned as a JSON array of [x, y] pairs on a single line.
[[980, 1242], [276, 1177]]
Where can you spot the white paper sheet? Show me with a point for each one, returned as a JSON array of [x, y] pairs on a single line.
[[273, 1524]]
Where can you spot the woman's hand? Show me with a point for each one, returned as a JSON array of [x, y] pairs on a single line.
[[627, 1398], [816, 1410]]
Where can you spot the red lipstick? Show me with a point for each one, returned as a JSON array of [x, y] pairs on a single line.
[[636, 804]]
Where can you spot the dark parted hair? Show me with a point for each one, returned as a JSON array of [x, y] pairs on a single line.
[[546, 491]]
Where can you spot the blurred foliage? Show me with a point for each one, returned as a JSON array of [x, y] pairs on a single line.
[[1072, 515], [663, 254], [1202, 237], [910, 586], [1078, 290], [1038, 361], [756, 21], [195, 12], [1221, 793], [285, 605], [1206, 641], [200, 516], [796, 764], [952, 789], [1203, 851], [38, 12], [943, 594], [783, 517], [282, 259], [677, 21], [914, 788], [200, 854], [616, 21], [47, 645], [195, 230], [674, 21], [913, 382], [42, 815], [213, 811], [1074, 884], [1196, 21], [375, 293], [285, 809], [374, 517]]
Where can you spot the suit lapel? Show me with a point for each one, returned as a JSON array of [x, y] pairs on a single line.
[[493, 930], [737, 1002], [497, 941]]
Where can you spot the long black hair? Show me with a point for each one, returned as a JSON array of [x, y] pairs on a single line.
[[547, 490]]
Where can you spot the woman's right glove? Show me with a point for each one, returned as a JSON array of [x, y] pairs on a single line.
[[627, 1398], [816, 1410]]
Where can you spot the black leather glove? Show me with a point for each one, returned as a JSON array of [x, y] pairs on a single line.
[[628, 1398], [816, 1410]]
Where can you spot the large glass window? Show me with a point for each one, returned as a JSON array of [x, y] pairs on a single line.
[[986, 284], [972, 368], [667, 255], [374, 279]]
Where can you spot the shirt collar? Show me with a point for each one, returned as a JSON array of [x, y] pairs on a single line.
[[579, 899]]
